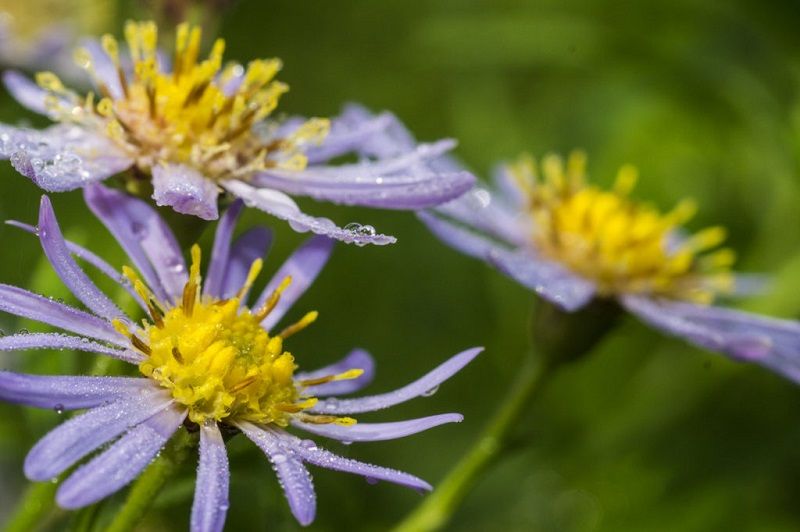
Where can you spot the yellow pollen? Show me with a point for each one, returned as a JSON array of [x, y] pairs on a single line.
[[201, 114], [624, 246], [217, 360]]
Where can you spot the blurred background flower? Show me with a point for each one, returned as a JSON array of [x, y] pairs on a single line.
[[647, 434]]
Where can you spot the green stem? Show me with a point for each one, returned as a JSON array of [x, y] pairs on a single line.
[[435, 512], [35, 504], [149, 484]]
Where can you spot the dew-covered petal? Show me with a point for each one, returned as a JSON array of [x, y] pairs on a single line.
[[62, 393], [548, 279], [378, 431], [186, 190], [304, 265], [391, 140], [144, 236], [62, 157], [79, 436], [417, 388], [104, 68], [283, 207], [25, 341], [25, 91], [89, 257], [253, 244], [309, 452], [25, 304], [210, 504], [460, 238], [356, 359], [118, 465], [745, 337], [68, 270], [220, 251], [293, 475]]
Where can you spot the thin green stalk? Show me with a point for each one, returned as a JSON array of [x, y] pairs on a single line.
[[35, 504], [146, 488], [434, 513]]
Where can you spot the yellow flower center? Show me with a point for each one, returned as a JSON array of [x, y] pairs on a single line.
[[216, 359], [200, 114], [623, 246]]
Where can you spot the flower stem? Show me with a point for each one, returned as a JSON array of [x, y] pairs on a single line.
[[435, 512], [35, 504], [146, 488], [559, 338]]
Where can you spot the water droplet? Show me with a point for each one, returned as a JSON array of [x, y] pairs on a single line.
[[430, 392], [139, 230], [278, 458], [347, 443], [309, 445], [59, 408], [371, 480], [24, 331]]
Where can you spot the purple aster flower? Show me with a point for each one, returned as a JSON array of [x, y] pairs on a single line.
[[187, 131], [570, 242], [206, 360]]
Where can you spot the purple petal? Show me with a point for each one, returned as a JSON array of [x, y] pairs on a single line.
[[462, 239], [252, 245], [22, 303], [117, 466], [293, 475], [390, 141], [63, 157], [348, 132], [509, 187], [145, 237], [283, 207], [212, 284], [210, 504], [548, 279], [378, 431], [19, 342], [68, 270], [66, 393], [104, 69], [303, 266], [309, 452], [745, 337], [417, 191], [356, 359], [89, 257], [25, 91], [419, 387], [186, 190], [79, 436]]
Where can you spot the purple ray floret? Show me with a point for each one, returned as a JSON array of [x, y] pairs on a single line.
[[126, 421]]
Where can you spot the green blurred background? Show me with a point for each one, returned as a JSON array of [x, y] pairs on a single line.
[[647, 433]]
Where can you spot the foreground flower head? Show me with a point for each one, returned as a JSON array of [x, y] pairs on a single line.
[[186, 129], [208, 361], [571, 241]]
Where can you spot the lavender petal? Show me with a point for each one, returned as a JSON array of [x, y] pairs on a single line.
[[117, 466], [186, 190], [548, 279], [348, 133], [68, 270], [210, 504], [63, 157], [309, 452], [253, 244], [417, 388], [220, 252], [25, 91], [145, 237], [294, 477], [79, 436], [304, 265], [769, 342], [356, 359], [25, 304], [283, 207], [378, 431], [25, 341], [66, 393]]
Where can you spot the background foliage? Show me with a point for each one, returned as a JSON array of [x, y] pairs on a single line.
[[648, 433]]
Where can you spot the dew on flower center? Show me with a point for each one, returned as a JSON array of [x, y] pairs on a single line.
[[622, 245], [200, 113], [217, 360]]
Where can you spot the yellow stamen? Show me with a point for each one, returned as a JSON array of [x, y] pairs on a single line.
[[298, 326], [347, 375], [273, 298], [255, 269]]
